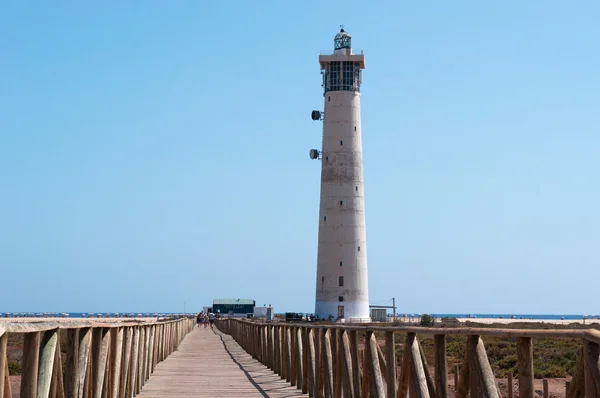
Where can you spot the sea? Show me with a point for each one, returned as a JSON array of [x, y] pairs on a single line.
[[411, 315]]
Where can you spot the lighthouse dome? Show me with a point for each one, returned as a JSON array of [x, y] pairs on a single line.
[[342, 40]]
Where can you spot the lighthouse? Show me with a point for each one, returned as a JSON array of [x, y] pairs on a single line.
[[342, 282]]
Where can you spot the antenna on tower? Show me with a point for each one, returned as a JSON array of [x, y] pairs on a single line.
[[342, 27]]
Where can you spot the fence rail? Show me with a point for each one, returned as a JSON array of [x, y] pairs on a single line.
[[103, 359], [327, 360]]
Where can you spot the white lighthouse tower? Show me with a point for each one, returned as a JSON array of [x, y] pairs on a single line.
[[342, 281]]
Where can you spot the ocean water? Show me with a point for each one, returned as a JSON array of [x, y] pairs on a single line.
[[412, 315]]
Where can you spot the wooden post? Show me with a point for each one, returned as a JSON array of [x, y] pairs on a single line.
[[510, 385], [337, 364], [305, 361], [313, 378], [100, 358], [525, 366], [31, 348], [376, 381], [441, 367], [404, 371], [327, 362], [356, 376], [346, 360], [364, 383], [482, 376], [463, 380], [545, 387], [7, 387], [428, 376], [46, 362], [299, 355], [3, 362], [567, 385], [456, 372], [126, 362], [592, 369], [321, 364], [418, 380], [577, 386], [116, 351], [57, 389], [390, 359]]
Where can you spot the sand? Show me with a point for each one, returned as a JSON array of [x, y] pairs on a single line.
[[63, 320], [505, 321]]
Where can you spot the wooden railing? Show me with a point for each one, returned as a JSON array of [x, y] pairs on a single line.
[[326, 360], [102, 359]]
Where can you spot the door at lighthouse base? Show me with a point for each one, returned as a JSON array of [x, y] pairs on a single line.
[[340, 311]]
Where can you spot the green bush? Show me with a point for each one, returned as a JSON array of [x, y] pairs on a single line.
[[14, 368], [426, 320]]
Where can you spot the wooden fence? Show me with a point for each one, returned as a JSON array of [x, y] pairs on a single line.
[[102, 359], [325, 360]]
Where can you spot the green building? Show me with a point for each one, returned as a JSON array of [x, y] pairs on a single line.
[[233, 307]]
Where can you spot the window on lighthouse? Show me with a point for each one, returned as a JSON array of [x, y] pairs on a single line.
[[341, 281], [348, 76], [334, 76]]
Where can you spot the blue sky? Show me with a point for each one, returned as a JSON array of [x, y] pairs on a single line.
[[155, 153]]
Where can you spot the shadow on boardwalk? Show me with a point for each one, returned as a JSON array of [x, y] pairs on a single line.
[[211, 364]]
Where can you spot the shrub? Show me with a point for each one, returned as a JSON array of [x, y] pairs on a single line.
[[426, 320], [14, 368]]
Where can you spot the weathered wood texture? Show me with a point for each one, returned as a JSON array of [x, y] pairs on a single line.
[[94, 366], [338, 362], [209, 363]]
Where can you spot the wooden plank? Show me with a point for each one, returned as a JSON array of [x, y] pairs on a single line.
[[212, 364]]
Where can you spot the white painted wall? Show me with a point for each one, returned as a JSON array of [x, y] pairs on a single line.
[[343, 231]]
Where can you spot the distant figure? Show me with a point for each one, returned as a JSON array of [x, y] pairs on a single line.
[[211, 318], [199, 319]]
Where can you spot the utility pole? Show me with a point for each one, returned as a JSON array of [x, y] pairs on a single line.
[[394, 306]]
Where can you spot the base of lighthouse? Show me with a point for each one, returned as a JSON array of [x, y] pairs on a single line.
[[357, 311]]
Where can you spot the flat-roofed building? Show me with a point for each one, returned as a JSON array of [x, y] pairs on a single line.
[[233, 307]]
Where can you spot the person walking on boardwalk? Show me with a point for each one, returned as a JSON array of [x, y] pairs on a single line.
[[205, 320], [211, 318], [199, 319]]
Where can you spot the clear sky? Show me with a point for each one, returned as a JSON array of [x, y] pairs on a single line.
[[155, 153]]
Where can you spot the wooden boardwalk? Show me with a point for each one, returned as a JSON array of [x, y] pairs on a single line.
[[211, 364]]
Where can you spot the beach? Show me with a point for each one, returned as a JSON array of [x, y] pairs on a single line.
[[506, 321]]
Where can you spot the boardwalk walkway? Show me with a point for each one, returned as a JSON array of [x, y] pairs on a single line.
[[211, 364]]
